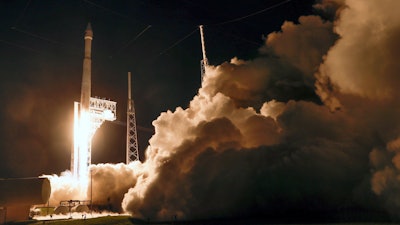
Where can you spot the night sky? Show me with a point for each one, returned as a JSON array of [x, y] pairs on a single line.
[[158, 41]]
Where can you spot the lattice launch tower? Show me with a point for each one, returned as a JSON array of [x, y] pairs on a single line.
[[132, 151]]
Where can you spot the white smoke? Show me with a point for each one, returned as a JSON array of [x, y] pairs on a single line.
[[65, 187], [363, 61], [361, 71]]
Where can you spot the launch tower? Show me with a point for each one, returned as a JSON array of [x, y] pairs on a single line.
[[204, 61], [132, 151]]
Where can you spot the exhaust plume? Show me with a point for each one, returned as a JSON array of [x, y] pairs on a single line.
[[257, 139]]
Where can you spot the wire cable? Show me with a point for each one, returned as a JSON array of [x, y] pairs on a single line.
[[177, 42], [36, 36], [146, 129], [251, 14], [19, 46], [132, 40], [22, 13]]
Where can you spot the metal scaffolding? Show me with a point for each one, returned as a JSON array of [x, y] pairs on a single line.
[[132, 150], [204, 61]]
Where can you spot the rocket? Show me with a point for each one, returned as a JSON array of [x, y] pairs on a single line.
[[79, 154], [87, 68]]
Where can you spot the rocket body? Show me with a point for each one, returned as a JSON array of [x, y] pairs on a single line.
[[87, 70], [80, 154]]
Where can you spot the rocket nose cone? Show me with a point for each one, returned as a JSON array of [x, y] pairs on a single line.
[[88, 31], [89, 27]]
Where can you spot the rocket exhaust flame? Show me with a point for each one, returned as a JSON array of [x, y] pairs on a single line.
[[84, 139]]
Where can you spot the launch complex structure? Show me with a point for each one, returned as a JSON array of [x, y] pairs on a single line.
[[90, 113], [204, 61]]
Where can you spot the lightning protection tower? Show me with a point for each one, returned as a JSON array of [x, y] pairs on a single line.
[[132, 152], [204, 61]]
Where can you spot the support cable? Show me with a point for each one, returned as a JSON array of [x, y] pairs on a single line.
[[250, 15], [177, 42], [132, 40]]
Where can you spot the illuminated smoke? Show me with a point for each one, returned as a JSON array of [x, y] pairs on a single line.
[[361, 71], [362, 62], [111, 182], [65, 187], [256, 138]]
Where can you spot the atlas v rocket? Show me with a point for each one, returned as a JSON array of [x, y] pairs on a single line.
[[78, 158], [89, 114], [87, 69]]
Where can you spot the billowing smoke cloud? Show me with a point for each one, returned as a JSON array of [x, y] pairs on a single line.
[[242, 162], [105, 186], [329, 9], [255, 139], [302, 45], [363, 61], [111, 181], [65, 187], [265, 136], [284, 72]]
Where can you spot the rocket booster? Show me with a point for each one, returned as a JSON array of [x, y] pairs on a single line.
[[80, 154], [87, 67]]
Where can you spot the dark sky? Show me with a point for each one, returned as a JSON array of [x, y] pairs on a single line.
[[41, 47]]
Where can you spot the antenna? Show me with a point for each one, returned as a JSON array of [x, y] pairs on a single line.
[[132, 150], [204, 61]]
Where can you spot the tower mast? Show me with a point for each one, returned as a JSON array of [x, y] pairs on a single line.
[[132, 152], [204, 61]]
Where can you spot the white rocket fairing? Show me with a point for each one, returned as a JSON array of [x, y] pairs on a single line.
[[87, 69]]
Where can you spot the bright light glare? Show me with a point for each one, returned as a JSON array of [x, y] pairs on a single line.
[[84, 140], [76, 215], [108, 115]]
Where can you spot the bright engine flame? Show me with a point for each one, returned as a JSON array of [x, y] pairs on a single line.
[[82, 140]]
